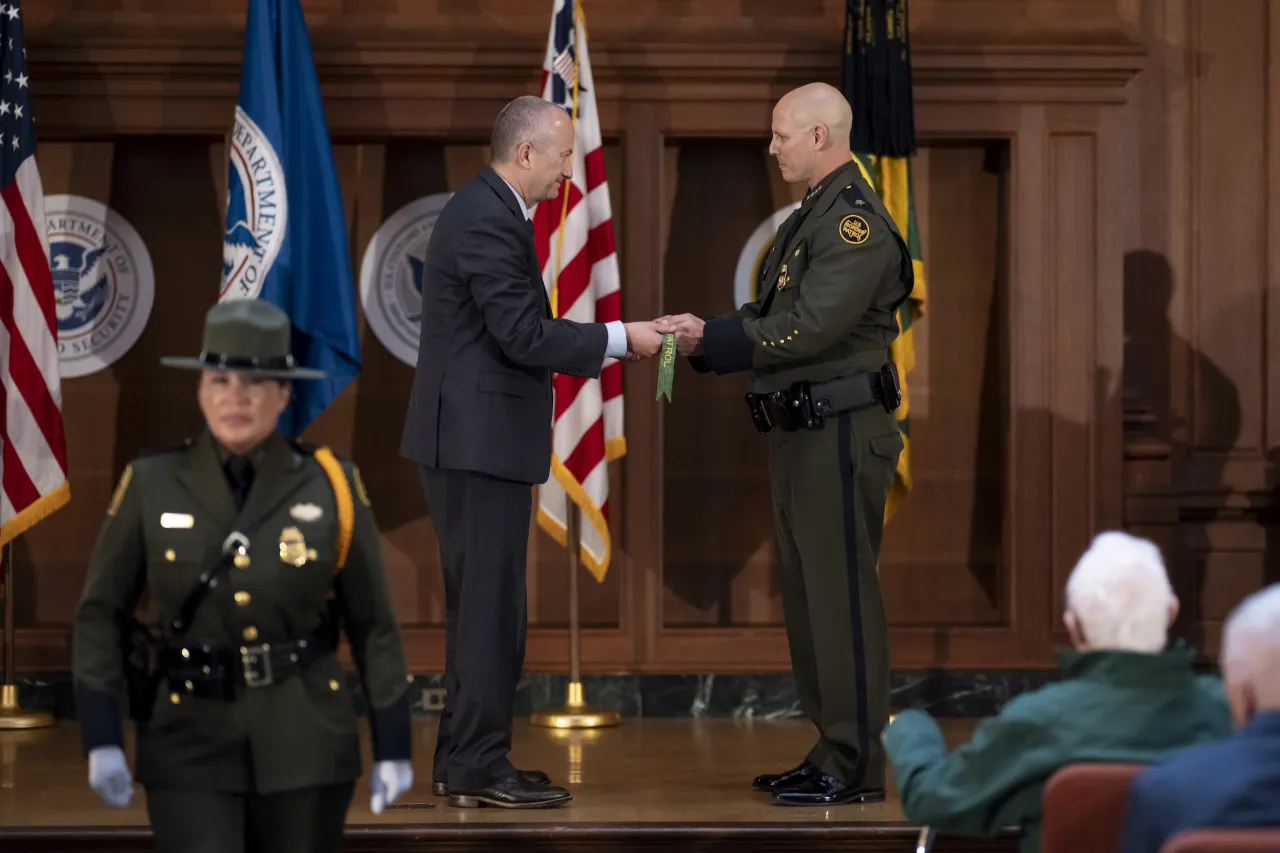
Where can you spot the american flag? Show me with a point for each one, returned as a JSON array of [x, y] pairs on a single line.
[[574, 237], [33, 464]]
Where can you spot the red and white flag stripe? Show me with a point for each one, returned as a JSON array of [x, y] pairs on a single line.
[[33, 462], [574, 237]]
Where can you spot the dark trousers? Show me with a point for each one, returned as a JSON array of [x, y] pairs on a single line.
[[308, 820], [830, 487], [482, 524]]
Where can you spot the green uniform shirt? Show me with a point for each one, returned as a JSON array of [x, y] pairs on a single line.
[[1119, 707], [828, 297], [166, 524]]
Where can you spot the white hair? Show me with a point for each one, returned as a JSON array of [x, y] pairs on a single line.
[[1251, 644], [1120, 593]]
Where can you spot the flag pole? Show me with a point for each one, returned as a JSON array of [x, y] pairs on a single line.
[[575, 713], [11, 714]]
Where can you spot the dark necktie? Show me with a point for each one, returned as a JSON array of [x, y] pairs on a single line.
[[528, 223], [240, 477]]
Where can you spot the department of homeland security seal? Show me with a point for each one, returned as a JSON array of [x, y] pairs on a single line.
[[103, 282], [747, 274], [391, 275], [257, 211]]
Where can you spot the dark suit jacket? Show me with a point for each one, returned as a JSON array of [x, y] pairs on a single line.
[[1234, 782], [482, 389]]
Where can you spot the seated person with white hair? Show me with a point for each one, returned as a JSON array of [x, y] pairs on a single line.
[[1228, 783], [1123, 698]]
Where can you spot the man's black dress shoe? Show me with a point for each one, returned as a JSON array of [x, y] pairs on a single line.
[[770, 782], [824, 790], [533, 777], [511, 792]]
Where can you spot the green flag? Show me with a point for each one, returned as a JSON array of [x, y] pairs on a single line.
[[876, 76]]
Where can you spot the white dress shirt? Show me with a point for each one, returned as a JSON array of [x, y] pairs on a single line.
[[617, 346]]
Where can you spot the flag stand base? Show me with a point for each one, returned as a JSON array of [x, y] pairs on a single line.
[[13, 717], [575, 714]]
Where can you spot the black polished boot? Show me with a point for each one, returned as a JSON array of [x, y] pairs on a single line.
[[771, 782], [824, 790]]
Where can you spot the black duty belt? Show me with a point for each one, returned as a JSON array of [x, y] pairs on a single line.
[[211, 673], [805, 405]]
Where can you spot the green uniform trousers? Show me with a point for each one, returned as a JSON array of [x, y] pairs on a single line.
[[830, 487], [306, 820]]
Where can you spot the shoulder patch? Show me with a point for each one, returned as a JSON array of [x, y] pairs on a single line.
[[854, 229], [121, 488]]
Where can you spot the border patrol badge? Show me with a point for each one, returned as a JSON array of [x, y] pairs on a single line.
[[293, 547], [854, 229]]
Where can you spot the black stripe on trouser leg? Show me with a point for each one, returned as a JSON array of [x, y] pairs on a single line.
[[849, 504]]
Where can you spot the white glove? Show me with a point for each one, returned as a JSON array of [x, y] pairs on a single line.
[[390, 779], [109, 775]]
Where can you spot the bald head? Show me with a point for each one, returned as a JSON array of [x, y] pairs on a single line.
[[811, 128], [819, 104], [1251, 655]]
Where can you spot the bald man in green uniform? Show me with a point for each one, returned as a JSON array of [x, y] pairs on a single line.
[[815, 346]]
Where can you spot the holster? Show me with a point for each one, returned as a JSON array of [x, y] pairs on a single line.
[[804, 405]]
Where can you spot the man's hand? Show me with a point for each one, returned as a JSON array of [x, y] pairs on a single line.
[[644, 340], [688, 332]]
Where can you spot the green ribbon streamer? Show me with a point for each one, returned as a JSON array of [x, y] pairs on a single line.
[[666, 367]]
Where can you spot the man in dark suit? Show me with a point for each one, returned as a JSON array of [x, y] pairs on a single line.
[[479, 428], [1233, 782]]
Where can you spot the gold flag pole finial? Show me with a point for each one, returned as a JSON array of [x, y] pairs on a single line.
[[11, 714]]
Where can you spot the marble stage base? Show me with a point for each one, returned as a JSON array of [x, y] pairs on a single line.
[[649, 784]]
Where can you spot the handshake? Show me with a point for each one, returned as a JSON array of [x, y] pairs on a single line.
[[644, 340]]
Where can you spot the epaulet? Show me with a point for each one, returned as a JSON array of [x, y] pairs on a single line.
[[162, 451], [853, 195]]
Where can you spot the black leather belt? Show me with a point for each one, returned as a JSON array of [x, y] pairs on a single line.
[[211, 673], [805, 405]]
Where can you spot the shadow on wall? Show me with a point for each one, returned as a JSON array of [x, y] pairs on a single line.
[[1154, 353]]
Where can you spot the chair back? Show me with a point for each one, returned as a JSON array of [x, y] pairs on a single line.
[[1224, 841], [1084, 807]]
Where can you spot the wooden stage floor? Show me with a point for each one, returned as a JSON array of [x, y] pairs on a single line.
[[647, 784]]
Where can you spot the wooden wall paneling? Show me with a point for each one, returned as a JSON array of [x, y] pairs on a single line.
[[982, 74], [941, 563], [717, 522], [1030, 372], [1272, 242], [1226, 465], [647, 198]]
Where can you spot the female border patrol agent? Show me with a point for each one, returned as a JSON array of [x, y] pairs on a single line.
[[254, 552]]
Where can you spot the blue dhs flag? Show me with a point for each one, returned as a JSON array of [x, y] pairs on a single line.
[[286, 238]]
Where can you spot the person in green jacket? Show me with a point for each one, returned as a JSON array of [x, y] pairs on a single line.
[[1124, 697]]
